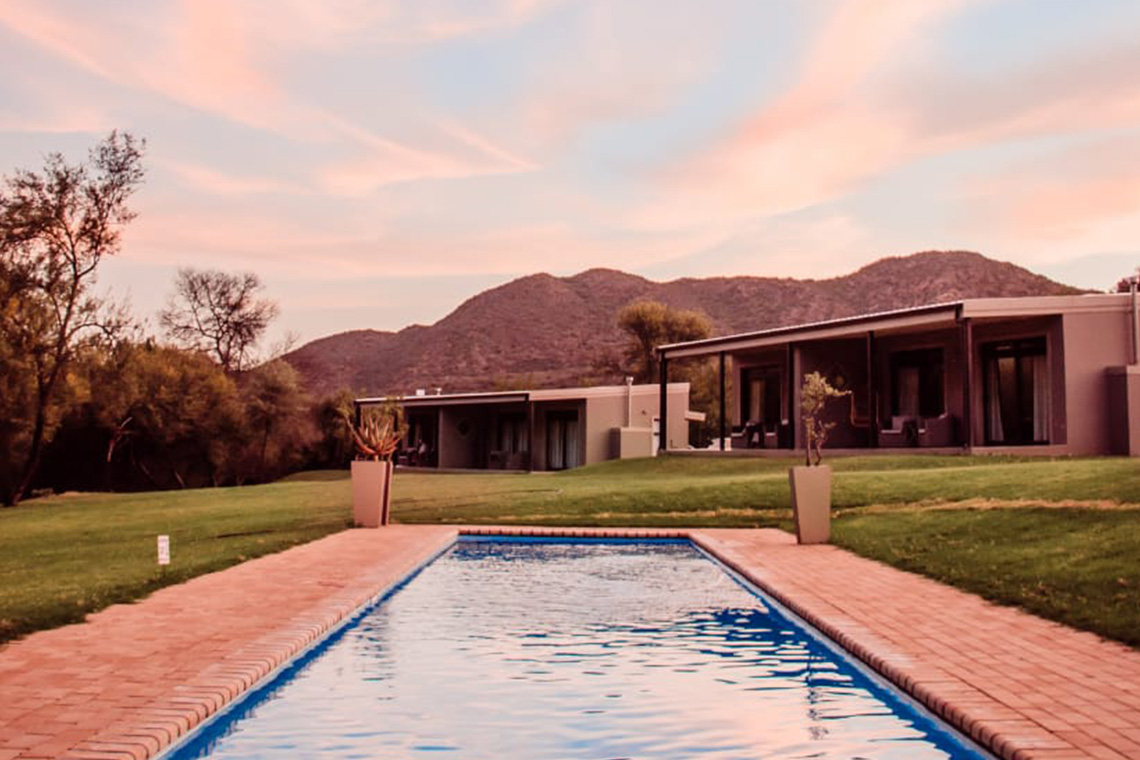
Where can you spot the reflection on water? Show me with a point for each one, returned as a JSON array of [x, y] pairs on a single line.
[[582, 650]]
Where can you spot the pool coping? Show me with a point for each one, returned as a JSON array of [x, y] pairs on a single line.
[[1019, 708]]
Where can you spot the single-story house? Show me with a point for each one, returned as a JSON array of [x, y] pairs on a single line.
[[569, 427], [1055, 375]]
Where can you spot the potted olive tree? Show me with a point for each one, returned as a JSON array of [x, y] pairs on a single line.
[[811, 483], [376, 438]]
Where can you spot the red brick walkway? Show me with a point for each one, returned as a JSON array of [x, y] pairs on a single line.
[[1022, 686], [136, 677]]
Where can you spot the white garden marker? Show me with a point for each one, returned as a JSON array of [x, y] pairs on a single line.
[[164, 550]]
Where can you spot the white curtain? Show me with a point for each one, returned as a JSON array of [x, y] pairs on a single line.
[[1041, 397], [571, 443], [996, 431], [554, 437], [755, 399]]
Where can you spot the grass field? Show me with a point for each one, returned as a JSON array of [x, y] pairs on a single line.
[[742, 492], [1060, 537], [64, 556], [1077, 566]]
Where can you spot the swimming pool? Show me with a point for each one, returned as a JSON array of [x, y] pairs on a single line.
[[575, 649]]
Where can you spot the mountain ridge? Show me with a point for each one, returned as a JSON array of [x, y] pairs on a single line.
[[542, 330]]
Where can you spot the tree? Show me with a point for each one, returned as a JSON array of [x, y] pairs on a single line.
[[218, 313], [815, 394], [1124, 285], [651, 324], [173, 417], [276, 409], [332, 446], [55, 228]]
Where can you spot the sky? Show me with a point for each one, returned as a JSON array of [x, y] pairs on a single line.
[[376, 163]]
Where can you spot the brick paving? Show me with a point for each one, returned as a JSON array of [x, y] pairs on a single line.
[[1019, 685], [135, 678]]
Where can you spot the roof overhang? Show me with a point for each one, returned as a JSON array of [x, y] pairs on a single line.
[[523, 396], [451, 399], [922, 317], [939, 315]]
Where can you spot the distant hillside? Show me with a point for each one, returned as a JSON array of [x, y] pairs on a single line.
[[548, 331]]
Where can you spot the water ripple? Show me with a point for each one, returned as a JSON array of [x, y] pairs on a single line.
[[553, 650]]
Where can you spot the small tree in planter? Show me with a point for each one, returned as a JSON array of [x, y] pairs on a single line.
[[376, 439], [811, 483]]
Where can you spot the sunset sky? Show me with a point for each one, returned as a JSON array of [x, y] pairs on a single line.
[[378, 162]]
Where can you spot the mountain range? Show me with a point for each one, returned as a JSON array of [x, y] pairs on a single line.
[[544, 331]]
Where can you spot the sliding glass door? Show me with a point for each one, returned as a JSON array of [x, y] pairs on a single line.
[[1018, 393], [562, 441], [762, 396]]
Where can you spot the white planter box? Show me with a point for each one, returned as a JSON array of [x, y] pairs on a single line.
[[371, 492], [811, 503]]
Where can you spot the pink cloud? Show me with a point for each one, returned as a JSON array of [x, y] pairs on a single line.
[[814, 142], [335, 24], [211, 57], [197, 57], [1085, 88], [642, 59], [371, 246], [58, 118], [216, 182], [1071, 194], [854, 114], [459, 152]]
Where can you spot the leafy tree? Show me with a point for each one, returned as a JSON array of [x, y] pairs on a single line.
[[276, 413], [815, 394], [218, 313], [172, 417], [56, 226], [332, 446], [651, 324]]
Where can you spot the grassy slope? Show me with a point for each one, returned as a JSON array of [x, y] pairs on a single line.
[[1078, 566], [64, 556], [745, 492]]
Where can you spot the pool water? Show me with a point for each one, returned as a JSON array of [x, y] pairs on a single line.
[[527, 649]]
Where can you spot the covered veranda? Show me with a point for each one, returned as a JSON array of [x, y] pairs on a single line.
[[964, 376]]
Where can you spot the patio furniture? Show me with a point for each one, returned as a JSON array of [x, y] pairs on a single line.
[[924, 432]]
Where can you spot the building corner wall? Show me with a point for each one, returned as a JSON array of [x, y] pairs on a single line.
[[677, 399], [1123, 411], [1092, 344]]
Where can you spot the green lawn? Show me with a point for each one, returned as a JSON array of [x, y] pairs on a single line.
[[1078, 566], [64, 556], [741, 492], [1075, 561]]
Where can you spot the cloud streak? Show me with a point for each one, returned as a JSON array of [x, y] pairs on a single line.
[[206, 57], [340, 140], [819, 137]]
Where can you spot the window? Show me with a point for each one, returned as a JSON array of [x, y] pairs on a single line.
[[1018, 392], [512, 437], [561, 440], [761, 396], [917, 383]]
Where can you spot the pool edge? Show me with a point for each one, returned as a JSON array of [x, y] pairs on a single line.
[[333, 622], [161, 726]]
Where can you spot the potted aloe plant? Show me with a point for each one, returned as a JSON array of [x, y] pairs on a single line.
[[811, 483], [376, 437]]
